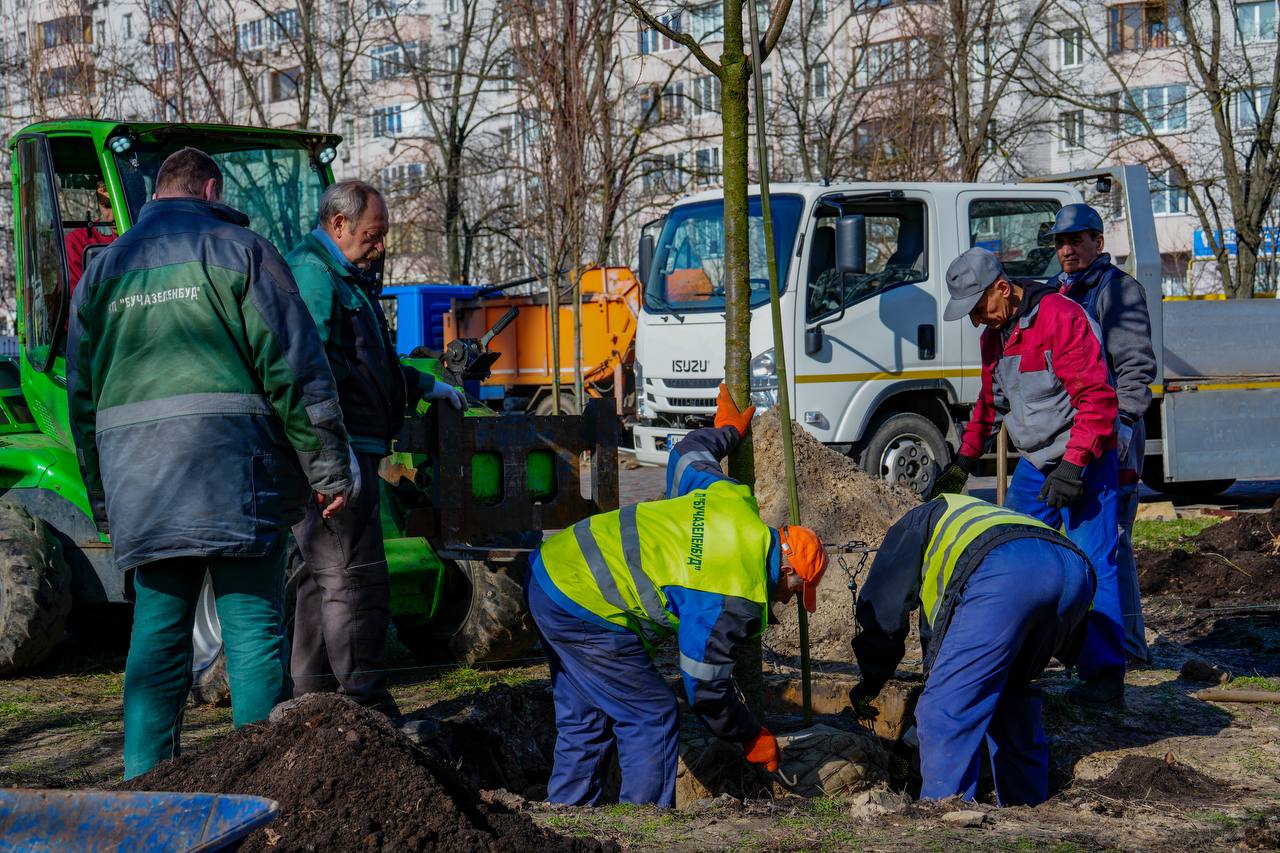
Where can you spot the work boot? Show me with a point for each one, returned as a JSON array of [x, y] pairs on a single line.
[[1104, 690]]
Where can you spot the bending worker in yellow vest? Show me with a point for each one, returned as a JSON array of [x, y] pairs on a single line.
[[605, 592], [1000, 593]]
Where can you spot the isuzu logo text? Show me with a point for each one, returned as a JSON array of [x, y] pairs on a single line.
[[689, 365]]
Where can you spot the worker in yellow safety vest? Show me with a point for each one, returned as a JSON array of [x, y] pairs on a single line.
[[1000, 593], [604, 593]]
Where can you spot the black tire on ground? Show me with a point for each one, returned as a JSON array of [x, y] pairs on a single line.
[[905, 447], [481, 620], [35, 590], [1200, 491], [567, 406]]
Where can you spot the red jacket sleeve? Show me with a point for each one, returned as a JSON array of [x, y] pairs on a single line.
[[983, 419], [1079, 364]]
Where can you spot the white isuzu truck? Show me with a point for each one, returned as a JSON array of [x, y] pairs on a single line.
[[875, 371]]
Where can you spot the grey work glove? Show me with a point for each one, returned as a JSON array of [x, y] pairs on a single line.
[[442, 390], [1064, 486]]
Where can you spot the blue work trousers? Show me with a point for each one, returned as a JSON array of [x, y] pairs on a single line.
[[607, 691], [1135, 630], [1090, 523], [1014, 612]]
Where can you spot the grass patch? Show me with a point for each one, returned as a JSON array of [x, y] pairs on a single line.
[[1255, 682], [464, 679], [17, 708], [1152, 535]]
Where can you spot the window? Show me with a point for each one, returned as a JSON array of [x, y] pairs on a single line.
[[385, 8], [1072, 47], [663, 173], [673, 101], [285, 26], [506, 139], [1256, 21], [1071, 130], [1164, 107], [44, 272], [1168, 192], [249, 35], [450, 6], [453, 57], [101, 32], [1251, 106], [652, 41], [1017, 231], [817, 87], [400, 178], [818, 12], [503, 76], [284, 84], [166, 57], [706, 167], [384, 62], [650, 105], [896, 254], [891, 62], [388, 121], [1139, 26], [67, 80], [706, 95], [127, 22], [71, 29], [705, 23]]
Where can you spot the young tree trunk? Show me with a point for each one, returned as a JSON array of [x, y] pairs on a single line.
[[1240, 285]]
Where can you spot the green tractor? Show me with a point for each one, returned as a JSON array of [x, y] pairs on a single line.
[[466, 494]]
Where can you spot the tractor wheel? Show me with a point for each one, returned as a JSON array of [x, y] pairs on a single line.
[[209, 685], [567, 405], [35, 590], [481, 620]]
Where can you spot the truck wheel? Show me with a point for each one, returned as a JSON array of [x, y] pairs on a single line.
[[35, 590], [481, 619], [904, 448], [567, 406], [1200, 491]]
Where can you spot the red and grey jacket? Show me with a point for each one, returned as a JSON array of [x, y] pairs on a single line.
[[1045, 374]]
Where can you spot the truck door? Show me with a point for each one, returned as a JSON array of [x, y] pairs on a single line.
[[1015, 228], [872, 323], [42, 262]]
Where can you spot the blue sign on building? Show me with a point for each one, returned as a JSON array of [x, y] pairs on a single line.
[[1270, 240]]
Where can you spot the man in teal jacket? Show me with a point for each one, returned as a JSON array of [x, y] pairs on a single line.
[[343, 609], [205, 417]]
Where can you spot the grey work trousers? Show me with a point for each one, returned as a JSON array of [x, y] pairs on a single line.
[[343, 606]]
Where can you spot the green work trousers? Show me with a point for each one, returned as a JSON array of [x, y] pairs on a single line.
[[249, 593]]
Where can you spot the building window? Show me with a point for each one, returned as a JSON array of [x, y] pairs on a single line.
[[653, 41], [385, 8], [1168, 193], [127, 22], [705, 23], [663, 173], [452, 57], [249, 35], [1139, 26], [706, 95], [400, 178], [1071, 130], [284, 84], [285, 26], [451, 6], [1251, 106], [818, 12], [68, 80], [388, 121], [1256, 22], [1072, 47], [891, 62], [166, 56], [673, 101], [502, 76], [817, 88], [1164, 108], [71, 29], [384, 62], [706, 163]]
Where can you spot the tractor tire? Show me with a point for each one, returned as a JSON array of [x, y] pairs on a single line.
[[482, 620], [905, 448], [35, 590], [567, 405]]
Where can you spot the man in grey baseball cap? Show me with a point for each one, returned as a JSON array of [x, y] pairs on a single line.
[[968, 278]]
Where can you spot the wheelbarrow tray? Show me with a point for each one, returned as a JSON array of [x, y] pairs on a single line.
[[40, 820]]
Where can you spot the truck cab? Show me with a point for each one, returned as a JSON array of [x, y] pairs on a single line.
[[874, 370]]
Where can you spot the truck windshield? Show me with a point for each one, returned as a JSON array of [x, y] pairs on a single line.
[[688, 269], [277, 188]]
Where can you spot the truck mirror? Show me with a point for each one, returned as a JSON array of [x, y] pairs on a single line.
[[813, 340], [646, 259], [851, 244]]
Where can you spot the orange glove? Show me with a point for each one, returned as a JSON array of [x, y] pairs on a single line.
[[763, 750], [727, 413]]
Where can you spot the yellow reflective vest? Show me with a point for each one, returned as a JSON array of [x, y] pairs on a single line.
[[617, 564]]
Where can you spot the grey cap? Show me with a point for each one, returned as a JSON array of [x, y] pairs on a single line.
[[968, 278]]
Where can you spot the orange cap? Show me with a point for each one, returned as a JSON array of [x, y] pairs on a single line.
[[803, 550]]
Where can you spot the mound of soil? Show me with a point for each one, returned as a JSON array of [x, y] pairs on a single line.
[[346, 779], [1235, 562], [1141, 777], [842, 504]]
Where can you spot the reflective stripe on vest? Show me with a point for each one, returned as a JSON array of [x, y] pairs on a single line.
[[963, 521], [618, 564]]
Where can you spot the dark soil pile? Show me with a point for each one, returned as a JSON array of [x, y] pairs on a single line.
[[1141, 777], [346, 779], [841, 503], [1235, 562]]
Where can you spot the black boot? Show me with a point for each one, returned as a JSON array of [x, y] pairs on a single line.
[[1103, 690]]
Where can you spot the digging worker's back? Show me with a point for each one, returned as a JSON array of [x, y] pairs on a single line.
[[1000, 593], [343, 604], [204, 416], [604, 593]]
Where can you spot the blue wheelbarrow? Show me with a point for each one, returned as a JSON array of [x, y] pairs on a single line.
[[35, 820]]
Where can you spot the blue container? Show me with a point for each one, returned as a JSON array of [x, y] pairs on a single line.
[[420, 310], [142, 821]]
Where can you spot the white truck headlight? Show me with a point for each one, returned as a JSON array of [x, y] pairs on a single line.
[[764, 381]]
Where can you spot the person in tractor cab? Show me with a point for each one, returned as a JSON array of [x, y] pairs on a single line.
[[343, 601], [205, 418], [999, 593], [604, 593], [97, 231]]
